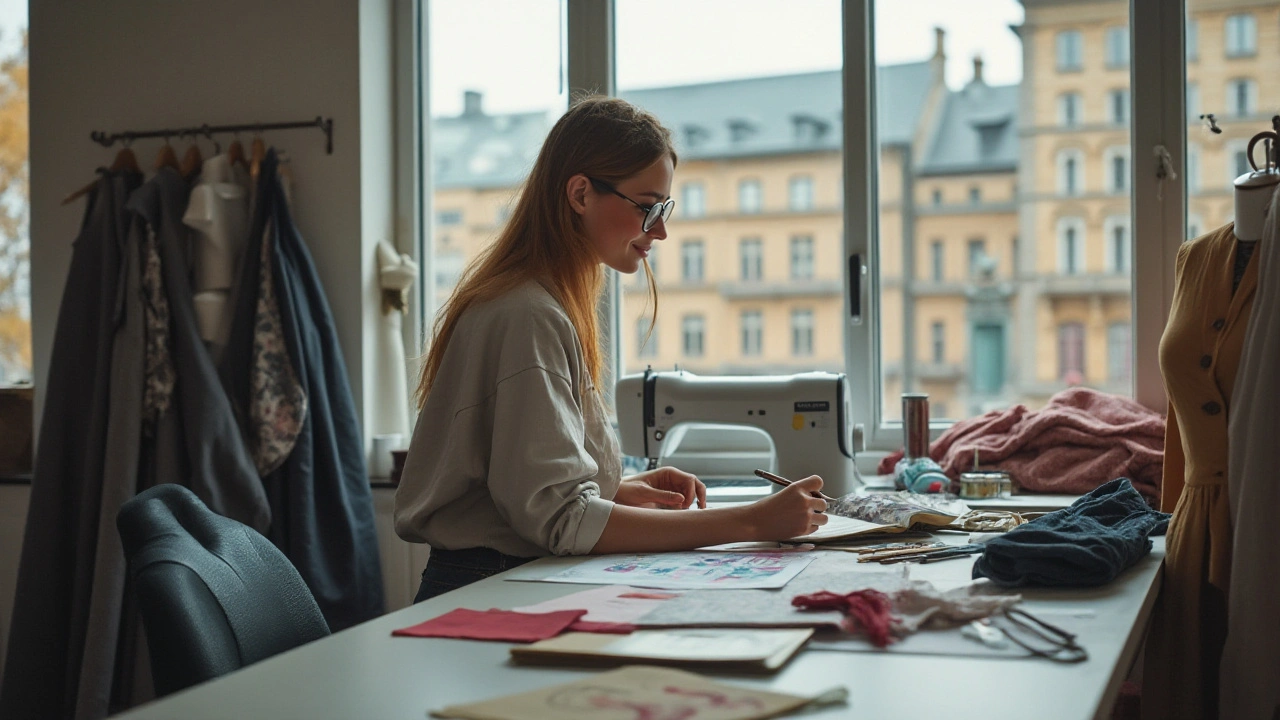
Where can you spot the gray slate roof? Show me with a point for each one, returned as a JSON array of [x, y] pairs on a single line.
[[737, 118], [976, 132]]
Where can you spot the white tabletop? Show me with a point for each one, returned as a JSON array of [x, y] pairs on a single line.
[[364, 672]]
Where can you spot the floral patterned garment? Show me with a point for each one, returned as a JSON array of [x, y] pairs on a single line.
[[159, 375], [277, 402]]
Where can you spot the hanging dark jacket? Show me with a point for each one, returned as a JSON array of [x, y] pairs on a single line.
[[320, 497], [65, 580]]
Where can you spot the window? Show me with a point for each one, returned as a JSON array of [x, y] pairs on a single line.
[[693, 200], [938, 338], [937, 196], [445, 218], [1116, 231], [1070, 169], [1069, 109], [1118, 104], [1069, 50], [988, 358], [1193, 102], [641, 276], [1193, 40], [1194, 226], [449, 265], [691, 331], [800, 193], [1237, 160], [15, 213], [977, 256], [1242, 97], [1193, 167], [1117, 47], [751, 259], [691, 261], [1119, 352], [1070, 246], [802, 332], [646, 342], [1116, 161], [1242, 35], [1071, 353], [801, 257], [752, 332], [749, 196], [937, 256], [975, 195]]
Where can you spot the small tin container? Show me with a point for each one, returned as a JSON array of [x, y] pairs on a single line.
[[985, 485], [915, 425]]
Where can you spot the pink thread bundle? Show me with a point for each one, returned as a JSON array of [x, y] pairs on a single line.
[[864, 610]]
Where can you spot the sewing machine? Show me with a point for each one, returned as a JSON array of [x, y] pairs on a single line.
[[804, 415]]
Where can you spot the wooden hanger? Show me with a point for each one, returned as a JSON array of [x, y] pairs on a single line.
[[192, 160], [167, 157], [235, 153], [125, 160], [257, 152]]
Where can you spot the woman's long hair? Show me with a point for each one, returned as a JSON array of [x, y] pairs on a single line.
[[600, 137]]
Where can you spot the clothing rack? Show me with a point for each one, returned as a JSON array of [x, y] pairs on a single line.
[[128, 136]]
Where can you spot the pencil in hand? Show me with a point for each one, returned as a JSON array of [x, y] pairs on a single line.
[[779, 480]]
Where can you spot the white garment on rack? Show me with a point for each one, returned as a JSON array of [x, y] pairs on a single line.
[[1251, 656], [218, 211]]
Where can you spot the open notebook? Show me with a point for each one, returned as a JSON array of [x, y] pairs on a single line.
[[736, 649], [884, 513]]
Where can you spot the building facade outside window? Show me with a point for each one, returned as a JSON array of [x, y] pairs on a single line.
[[1237, 161], [1242, 96], [977, 254], [446, 218], [750, 197], [1071, 352], [1193, 166], [691, 332], [1069, 109], [646, 342], [1118, 105], [1193, 102], [751, 259], [1070, 169], [1116, 161], [1193, 40], [752, 332], [1116, 229], [1070, 246], [1119, 352], [1242, 35], [693, 200], [802, 257], [802, 332], [975, 195], [938, 342], [1117, 49], [1070, 51], [691, 256], [937, 196], [800, 193], [937, 257]]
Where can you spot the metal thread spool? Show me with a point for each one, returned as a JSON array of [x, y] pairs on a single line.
[[915, 425]]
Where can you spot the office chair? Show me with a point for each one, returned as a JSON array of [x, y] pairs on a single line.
[[214, 595]]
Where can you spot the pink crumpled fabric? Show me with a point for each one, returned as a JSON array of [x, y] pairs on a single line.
[[1082, 439]]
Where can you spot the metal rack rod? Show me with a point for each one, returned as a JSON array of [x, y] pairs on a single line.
[[128, 136]]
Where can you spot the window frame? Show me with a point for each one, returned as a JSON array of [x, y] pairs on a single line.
[[1068, 58], [1109, 157], [800, 187], [1069, 105], [1071, 256], [689, 190], [1159, 52], [687, 256], [751, 259], [1247, 43], [751, 332], [1250, 97], [800, 260], [1109, 226], [802, 330], [757, 205], [1070, 185], [693, 325], [1116, 58]]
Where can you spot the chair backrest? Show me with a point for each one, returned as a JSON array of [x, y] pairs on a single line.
[[214, 595]]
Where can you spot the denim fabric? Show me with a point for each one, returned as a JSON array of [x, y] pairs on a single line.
[[451, 569]]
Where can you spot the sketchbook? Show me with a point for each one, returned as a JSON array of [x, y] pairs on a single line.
[[736, 650], [884, 513]]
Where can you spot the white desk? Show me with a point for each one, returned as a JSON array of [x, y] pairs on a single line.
[[363, 672]]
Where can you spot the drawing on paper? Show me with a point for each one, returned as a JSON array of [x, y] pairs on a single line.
[[689, 570]]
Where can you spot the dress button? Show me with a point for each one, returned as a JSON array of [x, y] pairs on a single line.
[[1211, 408], [1205, 361], [1219, 324]]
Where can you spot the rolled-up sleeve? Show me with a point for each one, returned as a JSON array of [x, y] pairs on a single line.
[[540, 475]]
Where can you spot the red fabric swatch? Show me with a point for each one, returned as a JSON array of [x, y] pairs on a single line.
[[503, 625], [608, 628]]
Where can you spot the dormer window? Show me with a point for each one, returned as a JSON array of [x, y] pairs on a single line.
[[808, 128], [740, 129]]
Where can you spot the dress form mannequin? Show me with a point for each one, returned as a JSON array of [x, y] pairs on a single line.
[[219, 213], [1253, 199], [396, 272]]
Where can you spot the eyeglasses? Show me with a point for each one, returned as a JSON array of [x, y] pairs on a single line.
[[651, 212]]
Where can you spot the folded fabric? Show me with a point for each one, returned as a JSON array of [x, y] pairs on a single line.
[[1084, 545], [503, 625], [1081, 439]]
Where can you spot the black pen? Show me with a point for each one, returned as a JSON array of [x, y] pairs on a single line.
[[779, 480]]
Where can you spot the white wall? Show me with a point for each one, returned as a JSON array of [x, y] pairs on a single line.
[[147, 64]]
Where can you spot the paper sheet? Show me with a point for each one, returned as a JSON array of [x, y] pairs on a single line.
[[609, 604], [688, 570], [636, 692]]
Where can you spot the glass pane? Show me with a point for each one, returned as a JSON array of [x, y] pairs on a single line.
[[754, 283], [1004, 203], [1234, 65], [488, 118], [15, 240]]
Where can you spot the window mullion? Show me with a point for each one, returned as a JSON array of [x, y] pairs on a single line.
[[1157, 79]]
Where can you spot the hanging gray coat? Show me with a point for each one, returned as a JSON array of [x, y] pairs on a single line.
[[320, 497], [70, 578]]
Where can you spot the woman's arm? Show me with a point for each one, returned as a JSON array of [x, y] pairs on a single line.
[[787, 513]]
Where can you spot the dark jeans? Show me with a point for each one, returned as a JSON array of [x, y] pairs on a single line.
[[451, 569]]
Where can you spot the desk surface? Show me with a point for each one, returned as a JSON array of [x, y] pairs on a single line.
[[364, 672]]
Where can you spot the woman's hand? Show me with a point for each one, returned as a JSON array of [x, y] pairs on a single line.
[[788, 513], [665, 487]]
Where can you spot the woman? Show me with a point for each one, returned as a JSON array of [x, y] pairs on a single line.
[[513, 456]]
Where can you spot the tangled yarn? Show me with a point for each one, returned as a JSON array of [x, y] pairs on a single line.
[[865, 610]]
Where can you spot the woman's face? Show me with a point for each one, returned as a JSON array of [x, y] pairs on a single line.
[[615, 226]]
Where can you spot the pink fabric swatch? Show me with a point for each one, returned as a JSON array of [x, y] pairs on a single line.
[[503, 625], [1082, 439]]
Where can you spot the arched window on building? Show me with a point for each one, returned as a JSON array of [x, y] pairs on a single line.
[[1070, 171], [1116, 231], [1070, 246]]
